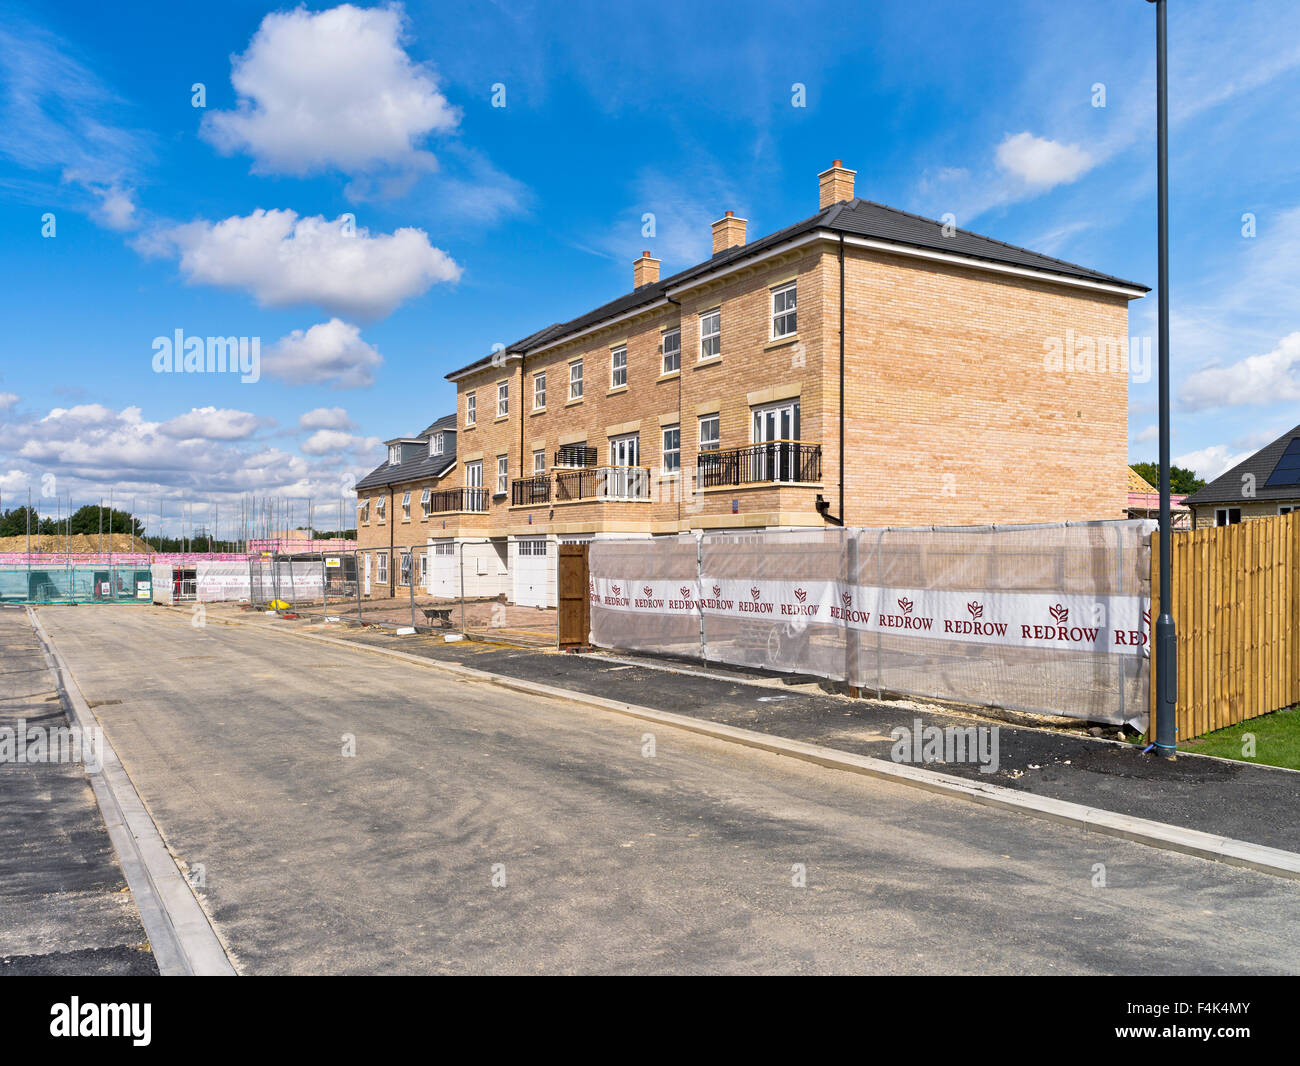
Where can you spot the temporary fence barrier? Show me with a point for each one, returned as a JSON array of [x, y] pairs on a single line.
[[76, 584], [1047, 618]]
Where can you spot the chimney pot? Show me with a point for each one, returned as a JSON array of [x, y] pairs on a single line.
[[836, 184], [728, 232], [645, 270]]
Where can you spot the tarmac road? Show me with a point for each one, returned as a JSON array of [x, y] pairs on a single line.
[[314, 861]]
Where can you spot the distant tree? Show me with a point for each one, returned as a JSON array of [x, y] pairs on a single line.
[[1182, 482]]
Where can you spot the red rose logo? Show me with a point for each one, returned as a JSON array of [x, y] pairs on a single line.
[[800, 595], [847, 597], [976, 609], [647, 590], [905, 605], [617, 591], [754, 592], [717, 591], [686, 592], [1060, 613]]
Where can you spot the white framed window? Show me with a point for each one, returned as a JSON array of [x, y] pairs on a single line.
[[672, 461], [503, 475], [444, 547], [711, 333], [471, 409], [381, 508], [394, 454], [503, 399], [618, 368], [381, 567], [534, 546], [539, 391], [710, 435], [672, 349], [474, 475], [406, 507], [1285, 508], [539, 461], [365, 511], [575, 380], [436, 444], [404, 573], [784, 317], [1227, 516], [424, 568], [426, 501]]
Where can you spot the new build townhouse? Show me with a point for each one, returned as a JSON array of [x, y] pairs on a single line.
[[865, 366]]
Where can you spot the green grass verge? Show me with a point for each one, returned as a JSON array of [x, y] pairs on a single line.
[[1277, 740]]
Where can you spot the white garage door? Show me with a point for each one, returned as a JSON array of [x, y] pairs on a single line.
[[443, 575], [532, 572]]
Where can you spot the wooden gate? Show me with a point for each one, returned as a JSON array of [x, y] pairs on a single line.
[[573, 575], [1236, 608]]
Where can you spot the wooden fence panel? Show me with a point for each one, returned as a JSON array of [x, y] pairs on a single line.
[[1236, 607]]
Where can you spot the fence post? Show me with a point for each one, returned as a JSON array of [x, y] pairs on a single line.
[[1152, 701], [356, 572], [852, 639]]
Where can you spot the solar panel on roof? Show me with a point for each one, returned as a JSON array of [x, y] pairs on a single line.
[[1287, 471]]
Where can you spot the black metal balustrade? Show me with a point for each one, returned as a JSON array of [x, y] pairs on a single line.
[[536, 489], [465, 499], [771, 462]]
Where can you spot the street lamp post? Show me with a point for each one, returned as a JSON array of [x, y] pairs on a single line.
[[1166, 646]]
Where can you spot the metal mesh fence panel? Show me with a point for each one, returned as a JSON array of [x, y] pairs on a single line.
[[1051, 618]]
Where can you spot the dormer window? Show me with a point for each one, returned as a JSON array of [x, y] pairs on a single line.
[[394, 454], [436, 444]]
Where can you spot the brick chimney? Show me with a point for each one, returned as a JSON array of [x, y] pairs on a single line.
[[728, 232], [644, 271], [836, 184]]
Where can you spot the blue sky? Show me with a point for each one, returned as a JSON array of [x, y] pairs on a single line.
[[477, 224]]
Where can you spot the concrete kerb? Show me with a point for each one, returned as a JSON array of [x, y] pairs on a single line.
[[1193, 842], [181, 937]]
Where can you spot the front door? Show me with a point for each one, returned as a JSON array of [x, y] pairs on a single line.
[[776, 433]]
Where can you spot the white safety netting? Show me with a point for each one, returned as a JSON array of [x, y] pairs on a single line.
[[1051, 618]]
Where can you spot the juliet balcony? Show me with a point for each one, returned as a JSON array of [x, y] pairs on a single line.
[[774, 462]]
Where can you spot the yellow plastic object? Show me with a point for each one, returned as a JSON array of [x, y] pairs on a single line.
[[278, 605]]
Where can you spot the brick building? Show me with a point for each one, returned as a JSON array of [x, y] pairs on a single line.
[[864, 366]]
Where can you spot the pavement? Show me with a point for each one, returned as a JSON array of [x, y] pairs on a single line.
[[478, 830], [64, 904]]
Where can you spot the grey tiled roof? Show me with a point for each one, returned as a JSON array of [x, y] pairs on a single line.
[[1227, 488], [858, 218], [425, 468]]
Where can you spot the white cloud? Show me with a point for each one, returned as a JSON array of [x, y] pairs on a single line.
[[7, 400], [286, 261], [326, 418], [1209, 463], [331, 441], [331, 90], [1273, 377], [1148, 434], [57, 120], [212, 423], [329, 351], [13, 481], [1041, 163]]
